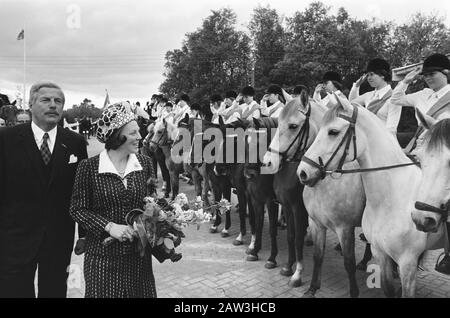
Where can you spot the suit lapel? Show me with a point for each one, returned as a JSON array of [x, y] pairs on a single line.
[[33, 152], [58, 155]]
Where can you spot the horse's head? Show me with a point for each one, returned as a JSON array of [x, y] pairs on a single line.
[[160, 135], [257, 138], [295, 132], [335, 143], [9, 114], [433, 197]]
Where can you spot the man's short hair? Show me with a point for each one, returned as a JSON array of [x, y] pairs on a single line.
[[37, 86]]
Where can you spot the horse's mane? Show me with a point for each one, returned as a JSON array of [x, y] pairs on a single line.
[[267, 122], [438, 136]]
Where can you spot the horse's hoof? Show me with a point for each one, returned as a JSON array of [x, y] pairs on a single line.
[[286, 271], [309, 243], [224, 234], [338, 247], [361, 266], [252, 258], [250, 251], [237, 242], [212, 230], [270, 264], [295, 283], [309, 294]]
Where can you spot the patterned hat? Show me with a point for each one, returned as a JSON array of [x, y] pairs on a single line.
[[113, 117]]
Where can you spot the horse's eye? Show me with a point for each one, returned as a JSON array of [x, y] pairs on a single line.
[[293, 126], [333, 132]]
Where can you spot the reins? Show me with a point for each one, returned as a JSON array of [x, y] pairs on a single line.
[[349, 136]]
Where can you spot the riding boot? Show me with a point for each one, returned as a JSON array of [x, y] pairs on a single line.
[[444, 265]]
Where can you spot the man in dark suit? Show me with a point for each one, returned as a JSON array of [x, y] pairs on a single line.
[[38, 161]]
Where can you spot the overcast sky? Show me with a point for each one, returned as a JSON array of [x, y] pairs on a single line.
[[120, 45]]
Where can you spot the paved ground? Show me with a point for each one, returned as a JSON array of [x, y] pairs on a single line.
[[212, 267]]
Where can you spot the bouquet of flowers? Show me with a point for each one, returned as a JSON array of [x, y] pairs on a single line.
[[160, 224]]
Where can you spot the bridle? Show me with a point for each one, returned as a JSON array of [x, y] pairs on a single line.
[[160, 141], [302, 136], [442, 210], [349, 136]]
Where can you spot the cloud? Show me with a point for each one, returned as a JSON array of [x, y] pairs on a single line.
[[121, 44]]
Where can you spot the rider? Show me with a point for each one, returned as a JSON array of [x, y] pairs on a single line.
[[274, 95], [378, 74], [182, 108], [433, 101], [331, 83], [217, 107], [251, 109], [233, 110]]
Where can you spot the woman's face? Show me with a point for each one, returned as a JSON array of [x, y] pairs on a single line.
[[435, 80], [273, 98], [329, 87], [131, 132], [375, 80]]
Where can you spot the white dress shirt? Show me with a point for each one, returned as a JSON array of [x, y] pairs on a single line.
[[105, 165], [388, 113], [39, 136], [256, 114], [423, 100], [267, 110], [328, 101]]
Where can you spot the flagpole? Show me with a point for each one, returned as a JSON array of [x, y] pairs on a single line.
[[24, 106]]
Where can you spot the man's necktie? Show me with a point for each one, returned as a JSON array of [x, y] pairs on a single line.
[[45, 150]]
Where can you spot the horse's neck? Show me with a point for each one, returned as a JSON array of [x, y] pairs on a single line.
[[317, 113], [381, 149]]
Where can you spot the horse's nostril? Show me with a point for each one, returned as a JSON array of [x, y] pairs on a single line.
[[303, 175], [269, 164], [429, 223]]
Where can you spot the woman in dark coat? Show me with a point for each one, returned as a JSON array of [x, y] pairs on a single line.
[[107, 187]]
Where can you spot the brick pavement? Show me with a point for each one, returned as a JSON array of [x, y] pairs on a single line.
[[212, 267]]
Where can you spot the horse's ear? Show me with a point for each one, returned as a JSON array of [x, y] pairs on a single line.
[[186, 118], [164, 122], [425, 120], [304, 98]]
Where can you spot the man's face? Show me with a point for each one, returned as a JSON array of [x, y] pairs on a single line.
[[248, 99], [228, 102], [23, 118], [47, 108]]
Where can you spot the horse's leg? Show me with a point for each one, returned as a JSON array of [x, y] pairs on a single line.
[[217, 195], [408, 270], [319, 233], [252, 220], [226, 192], [286, 270], [300, 217], [362, 266], [347, 241], [272, 209], [387, 276], [242, 200], [255, 245], [163, 163], [197, 182]]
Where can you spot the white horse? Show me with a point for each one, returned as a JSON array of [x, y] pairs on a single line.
[[433, 197], [390, 193], [335, 204]]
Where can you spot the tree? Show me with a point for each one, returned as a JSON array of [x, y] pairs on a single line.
[[418, 38], [268, 39], [84, 109], [215, 58]]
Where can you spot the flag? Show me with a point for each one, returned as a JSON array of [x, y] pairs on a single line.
[[21, 35], [107, 102]]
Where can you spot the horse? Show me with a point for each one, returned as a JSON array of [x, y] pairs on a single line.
[[259, 187], [432, 201], [234, 171], [164, 133], [390, 181], [298, 125], [9, 114]]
